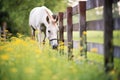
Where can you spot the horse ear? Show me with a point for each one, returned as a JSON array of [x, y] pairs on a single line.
[[55, 17], [47, 19]]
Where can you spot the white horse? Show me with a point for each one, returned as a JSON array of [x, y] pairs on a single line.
[[43, 20]]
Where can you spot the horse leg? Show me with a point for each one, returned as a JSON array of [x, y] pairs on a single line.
[[44, 37], [32, 33], [39, 36], [43, 29]]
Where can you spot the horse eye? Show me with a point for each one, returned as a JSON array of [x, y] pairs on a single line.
[[48, 31]]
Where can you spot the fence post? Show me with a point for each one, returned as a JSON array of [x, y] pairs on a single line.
[[82, 25], [3, 34], [61, 32], [0, 32], [69, 32], [108, 36], [4, 31]]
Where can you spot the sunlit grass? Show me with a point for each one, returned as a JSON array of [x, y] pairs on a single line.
[[24, 59]]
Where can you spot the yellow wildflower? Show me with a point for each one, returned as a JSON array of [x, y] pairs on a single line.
[[32, 41], [9, 34], [61, 42], [37, 51], [5, 57], [84, 32], [2, 39], [80, 39], [1, 48], [13, 38], [19, 35], [94, 50], [6, 30], [53, 59], [81, 48], [24, 44], [65, 47], [18, 41], [61, 47], [112, 72], [80, 58], [13, 70], [9, 49], [3, 35]]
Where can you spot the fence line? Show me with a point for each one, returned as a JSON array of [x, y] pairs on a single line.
[[96, 25], [105, 25]]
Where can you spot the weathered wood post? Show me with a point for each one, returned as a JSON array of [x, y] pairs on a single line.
[[3, 34], [82, 25], [61, 32], [108, 36], [69, 32], [0, 32]]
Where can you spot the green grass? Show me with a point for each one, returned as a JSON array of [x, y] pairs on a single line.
[[96, 36], [23, 59], [99, 60]]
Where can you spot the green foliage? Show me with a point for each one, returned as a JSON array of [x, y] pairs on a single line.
[[18, 11], [58, 5]]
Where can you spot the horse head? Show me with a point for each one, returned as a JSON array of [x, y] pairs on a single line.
[[52, 30]]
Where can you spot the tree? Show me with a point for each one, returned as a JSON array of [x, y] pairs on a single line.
[[18, 11]]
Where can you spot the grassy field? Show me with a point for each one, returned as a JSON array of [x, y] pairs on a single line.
[[23, 59], [96, 36]]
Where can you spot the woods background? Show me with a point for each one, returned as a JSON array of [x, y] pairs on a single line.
[[16, 12]]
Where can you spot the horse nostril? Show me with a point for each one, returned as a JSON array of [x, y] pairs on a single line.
[[55, 46]]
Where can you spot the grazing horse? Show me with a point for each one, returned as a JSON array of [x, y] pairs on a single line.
[[43, 20]]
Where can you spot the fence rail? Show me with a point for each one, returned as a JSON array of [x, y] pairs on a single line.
[[96, 25], [98, 46], [90, 4]]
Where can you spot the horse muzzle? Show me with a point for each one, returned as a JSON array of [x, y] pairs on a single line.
[[54, 46], [54, 43]]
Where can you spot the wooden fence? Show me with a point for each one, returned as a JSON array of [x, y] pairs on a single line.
[[108, 24], [3, 31]]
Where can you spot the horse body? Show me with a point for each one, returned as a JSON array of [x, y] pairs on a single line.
[[38, 16], [43, 20]]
